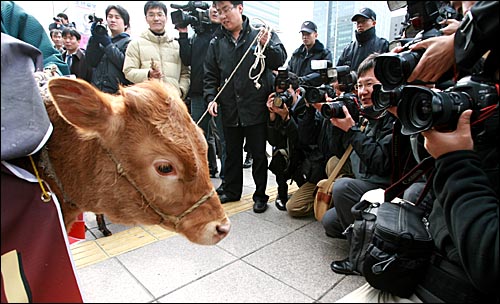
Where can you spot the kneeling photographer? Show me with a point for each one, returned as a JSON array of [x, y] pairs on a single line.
[[371, 158], [285, 106], [106, 54], [460, 127]]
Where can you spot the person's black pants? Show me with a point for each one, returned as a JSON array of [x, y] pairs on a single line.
[[256, 137]]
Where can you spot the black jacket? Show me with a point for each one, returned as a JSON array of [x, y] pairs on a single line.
[[108, 63], [371, 158], [365, 44], [241, 103], [79, 66], [300, 63], [193, 51]]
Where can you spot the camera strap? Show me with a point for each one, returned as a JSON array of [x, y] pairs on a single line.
[[424, 167]]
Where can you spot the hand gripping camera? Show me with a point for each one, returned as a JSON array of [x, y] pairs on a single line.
[[100, 27], [283, 83], [421, 108], [194, 13], [393, 69]]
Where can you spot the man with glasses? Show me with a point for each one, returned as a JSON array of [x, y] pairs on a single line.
[[155, 55], [371, 158], [242, 100], [366, 42]]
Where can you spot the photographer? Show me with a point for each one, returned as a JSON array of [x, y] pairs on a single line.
[[464, 219], [193, 51], [285, 105], [371, 159], [106, 54]]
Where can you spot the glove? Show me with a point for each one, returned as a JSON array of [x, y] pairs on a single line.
[[92, 28], [105, 40]]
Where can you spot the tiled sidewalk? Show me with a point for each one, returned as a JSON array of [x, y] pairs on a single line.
[[267, 257]]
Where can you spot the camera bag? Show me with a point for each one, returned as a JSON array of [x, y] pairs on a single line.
[[390, 242]]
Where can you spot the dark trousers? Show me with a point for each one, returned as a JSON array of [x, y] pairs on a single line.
[[346, 193], [255, 137], [198, 108]]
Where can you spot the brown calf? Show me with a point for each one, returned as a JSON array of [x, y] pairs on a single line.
[[136, 157]]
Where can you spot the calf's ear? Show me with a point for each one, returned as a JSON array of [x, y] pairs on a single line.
[[84, 106]]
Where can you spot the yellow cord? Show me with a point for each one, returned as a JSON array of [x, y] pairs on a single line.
[[45, 195]]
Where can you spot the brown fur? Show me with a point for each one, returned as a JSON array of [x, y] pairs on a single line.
[[145, 125]]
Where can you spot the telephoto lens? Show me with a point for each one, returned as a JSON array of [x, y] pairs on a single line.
[[332, 110], [393, 69], [383, 99]]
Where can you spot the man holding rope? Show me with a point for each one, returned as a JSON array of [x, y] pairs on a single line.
[[238, 78]]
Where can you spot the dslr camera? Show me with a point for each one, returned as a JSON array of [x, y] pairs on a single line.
[[194, 13], [327, 76], [334, 109], [283, 83], [393, 69], [421, 108], [100, 27]]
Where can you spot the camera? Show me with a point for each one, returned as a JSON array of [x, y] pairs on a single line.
[[393, 69], [327, 76], [420, 108], [383, 99], [100, 27], [282, 82], [194, 13], [334, 109]]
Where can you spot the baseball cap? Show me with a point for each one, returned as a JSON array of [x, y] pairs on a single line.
[[366, 13], [308, 26]]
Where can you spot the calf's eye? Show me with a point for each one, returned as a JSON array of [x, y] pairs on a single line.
[[164, 168]]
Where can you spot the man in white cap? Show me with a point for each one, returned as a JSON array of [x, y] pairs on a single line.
[[366, 42], [311, 49]]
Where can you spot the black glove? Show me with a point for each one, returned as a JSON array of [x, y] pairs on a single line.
[[105, 40]]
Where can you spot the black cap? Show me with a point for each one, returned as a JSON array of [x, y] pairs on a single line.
[[308, 26], [366, 13]]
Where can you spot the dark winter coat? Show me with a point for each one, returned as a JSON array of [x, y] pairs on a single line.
[[300, 63], [108, 63], [241, 103], [366, 43]]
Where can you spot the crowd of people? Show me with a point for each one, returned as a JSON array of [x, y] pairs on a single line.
[[210, 70]]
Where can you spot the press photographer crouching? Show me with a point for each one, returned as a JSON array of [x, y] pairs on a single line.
[[285, 107], [460, 127]]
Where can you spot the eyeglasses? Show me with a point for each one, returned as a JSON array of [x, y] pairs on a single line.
[[360, 86], [225, 10]]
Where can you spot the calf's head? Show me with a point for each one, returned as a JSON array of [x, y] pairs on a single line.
[[137, 157]]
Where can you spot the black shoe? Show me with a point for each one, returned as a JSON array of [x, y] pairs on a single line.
[[226, 199], [259, 206], [213, 173], [248, 161], [220, 190], [343, 267], [280, 204]]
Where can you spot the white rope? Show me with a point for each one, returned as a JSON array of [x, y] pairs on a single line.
[[260, 53]]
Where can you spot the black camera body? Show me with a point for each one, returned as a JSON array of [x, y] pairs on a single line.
[[421, 108], [334, 109], [194, 13], [100, 27], [383, 99], [282, 82], [393, 69], [328, 74]]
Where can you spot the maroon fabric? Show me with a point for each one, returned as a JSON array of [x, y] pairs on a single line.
[[35, 231]]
